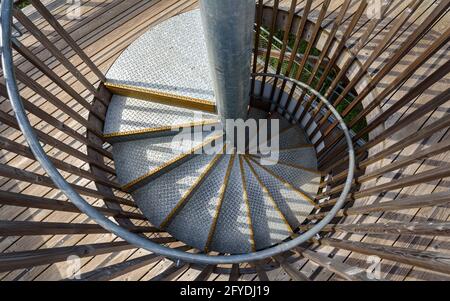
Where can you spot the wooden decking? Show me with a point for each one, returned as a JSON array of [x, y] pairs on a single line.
[[105, 29]]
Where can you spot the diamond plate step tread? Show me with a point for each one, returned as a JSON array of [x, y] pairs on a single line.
[[171, 57], [304, 157], [233, 231], [134, 159], [255, 113], [263, 137], [306, 181], [127, 115], [293, 205], [157, 199], [284, 123], [293, 137], [269, 225], [193, 223]]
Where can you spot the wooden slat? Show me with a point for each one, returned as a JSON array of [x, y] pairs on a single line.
[[117, 270], [336, 24], [205, 273], [26, 259], [287, 31], [20, 228], [429, 200], [262, 275], [22, 150], [26, 176], [364, 68], [269, 42], [341, 269], [393, 61], [29, 201], [128, 266], [234, 274], [295, 274], [172, 272], [23, 19], [11, 122], [424, 177], [417, 228], [29, 55], [63, 33], [434, 261]]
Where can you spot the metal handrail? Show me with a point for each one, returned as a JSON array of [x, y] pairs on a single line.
[[132, 238]]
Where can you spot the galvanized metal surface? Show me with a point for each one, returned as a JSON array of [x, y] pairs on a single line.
[[126, 114], [171, 57], [228, 27]]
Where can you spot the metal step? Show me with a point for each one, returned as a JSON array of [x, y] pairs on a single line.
[[284, 123], [269, 224], [292, 204], [301, 157], [234, 232], [193, 223], [293, 137], [158, 198], [130, 119], [138, 162], [306, 182], [169, 58]]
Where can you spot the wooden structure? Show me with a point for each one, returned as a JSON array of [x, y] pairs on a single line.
[[385, 66]]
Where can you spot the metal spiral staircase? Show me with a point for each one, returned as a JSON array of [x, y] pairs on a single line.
[[230, 214]]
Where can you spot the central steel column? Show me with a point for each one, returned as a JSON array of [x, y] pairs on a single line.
[[228, 27]]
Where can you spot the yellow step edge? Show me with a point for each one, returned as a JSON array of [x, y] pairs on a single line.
[[222, 191], [269, 195], [190, 191], [247, 204], [162, 97], [160, 129], [288, 185], [314, 171], [128, 186]]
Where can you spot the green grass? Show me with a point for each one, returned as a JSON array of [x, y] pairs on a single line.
[[22, 3]]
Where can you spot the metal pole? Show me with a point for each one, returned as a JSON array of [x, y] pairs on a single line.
[[228, 27]]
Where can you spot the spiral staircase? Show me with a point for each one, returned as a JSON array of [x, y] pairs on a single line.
[[127, 190]]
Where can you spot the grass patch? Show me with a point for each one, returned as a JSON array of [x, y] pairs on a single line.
[[22, 3]]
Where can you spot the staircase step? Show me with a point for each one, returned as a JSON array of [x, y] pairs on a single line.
[[166, 98], [292, 137], [158, 198], [269, 224], [138, 162], [255, 113], [284, 123], [302, 158], [130, 119], [234, 232], [263, 137], [292, 204], [307, 183], [193, 223], [169, 58]]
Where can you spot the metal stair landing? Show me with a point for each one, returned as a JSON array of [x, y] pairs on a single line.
[[170, 58], [229, 203]]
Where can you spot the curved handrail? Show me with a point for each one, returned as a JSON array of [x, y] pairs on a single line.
[[132, 238]]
